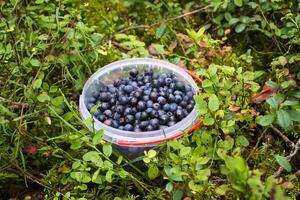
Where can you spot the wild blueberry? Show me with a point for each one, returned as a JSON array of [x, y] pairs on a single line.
[[166, 107], [183, 104], [117, 116], [154, 114], [161, 100], [161, 81], [190, 94], [120, 109], [168, 81], [161, 112], [147, 91], [163, 75], [141, 106], [149, 104], [149, 110], [173, 107], [148, 71], [138, 94], [112, 89], [101, 118], [164, 119], [172, 86], [103, 88], [146, 98], [171, 123], [188, 88], [123, 100], [129, 119], [112, 101], [179, 114], [192, 102], [128, 89], [108, 122], [154, 123], [156, 106], [185, 98], [115, 124], [144, 124], [121, 127], [155, 83], [95, 94], [144, 115], [185, 112], [108, 113], [189, 107], [138, 115], [133, 72], [155, 75], [122, 121], [128, 127], [92, 100], [104, 106], [149, 128], [127, 111], [133, 101], [180, 86], [173, 118], [153, 96], [104, 96], [89, 106], [147, 79], [178, 98], [171, 98]]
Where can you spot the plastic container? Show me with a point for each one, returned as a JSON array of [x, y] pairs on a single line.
[[135, 143]]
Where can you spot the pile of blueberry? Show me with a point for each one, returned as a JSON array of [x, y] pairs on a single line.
[[143, 102]]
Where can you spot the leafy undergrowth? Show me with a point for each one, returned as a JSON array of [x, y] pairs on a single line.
[[245, 52]]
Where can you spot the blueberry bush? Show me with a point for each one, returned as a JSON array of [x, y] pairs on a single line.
[[246, 52]]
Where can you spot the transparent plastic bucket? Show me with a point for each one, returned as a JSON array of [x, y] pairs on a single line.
[[135, 143]]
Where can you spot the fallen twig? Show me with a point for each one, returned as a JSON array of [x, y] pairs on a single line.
[[164, 21], [286, 139], [295, 150]]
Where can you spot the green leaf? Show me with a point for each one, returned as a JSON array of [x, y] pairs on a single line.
[[242, 141], [153, 171], [43, 97], [107, 149], [202, 175], [272, 84], [208, 121], [275, 100], [98, 137], [265, 120], [294, 115], [95, 175], [35, 62], [212, 69], [227, 16], [37, 83], [169, 186], [234, 21], [94, 157], [161, 31], [202, 160], [284, 119], [290, 103], [213, 103], [222, 189], [151, 153], [206, 83], [238, 3], [283, 162], [239, 28], [76, 164], [185, 151], [178, 194]]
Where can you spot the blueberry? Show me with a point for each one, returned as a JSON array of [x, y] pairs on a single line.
[[98, 112], [112, 89], [171, 123], [171, 98], [153, 96], [183, 104], [127, 111], [168, 81], [117, 116], [138, 115], [104, 96], [190, 95], [156, 106], [141, 106], [92, 100], [163, 75], [161, 112], [163, 94], [128, 127], [155, 75], [138, 94], [121, 127], [115, 124], [185, 112], [147, 91], [161, 100], [154, 114], [178, 98], [147, 79], [139, 78], [101, 118], [164, 119], [128, 89], [103, 89], [155, 83], [122, 121], [95, 94], [177, 92], [192, 102], [108, 122], [89, 106], [149, 110], [137, 128], [149, 104], [104, 106], [173, 107], [146, 98], [189, 107], [180, 86], [144, 115], [170, 90], [149, 128], [133, 72], [172, 86], [123, 100], [144, 124], [188, 88], [185, 98], [154, 123], [129, 119], [173, 118], [133, 101], [140, 83], [179, 114], [166, 107], [120, 109], [148, 71], [112, 101], [161, 81], [108, 113]]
